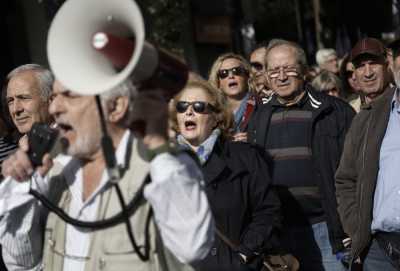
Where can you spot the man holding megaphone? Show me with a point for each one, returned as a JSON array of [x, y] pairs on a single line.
[[165, 214], [182, 221]]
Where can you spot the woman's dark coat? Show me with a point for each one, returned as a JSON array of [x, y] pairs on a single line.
[[245, 209]]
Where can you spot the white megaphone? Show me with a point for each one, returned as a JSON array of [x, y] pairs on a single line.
[[94, 45]]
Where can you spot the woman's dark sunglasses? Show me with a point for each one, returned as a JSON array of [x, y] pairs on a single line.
[[238, 71], [198, 107]]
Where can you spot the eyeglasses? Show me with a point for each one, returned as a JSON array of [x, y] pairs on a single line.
[[289, 71], [257, 66], [238, 71], [198, 107]]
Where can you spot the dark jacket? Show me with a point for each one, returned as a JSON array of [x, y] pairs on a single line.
[[331, 120], [244, 206], [358, 170]]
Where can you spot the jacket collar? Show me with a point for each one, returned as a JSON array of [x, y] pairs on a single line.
[[219, 164]]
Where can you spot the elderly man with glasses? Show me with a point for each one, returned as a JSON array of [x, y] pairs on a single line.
[[303, 131]]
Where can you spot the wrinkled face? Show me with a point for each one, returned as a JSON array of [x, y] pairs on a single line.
[[234, 85], [284, 73], [372, 76], [193, 126], [331, 64], [25, 104], [78, 121]]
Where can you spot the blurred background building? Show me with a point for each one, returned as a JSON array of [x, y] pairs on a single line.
[[200, 30]]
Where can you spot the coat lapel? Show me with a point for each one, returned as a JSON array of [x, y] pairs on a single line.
[[219, 165], [377, 128]]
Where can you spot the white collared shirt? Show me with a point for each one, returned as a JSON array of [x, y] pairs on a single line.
[[179, 203]]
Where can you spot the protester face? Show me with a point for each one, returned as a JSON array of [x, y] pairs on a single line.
[[195, 115], [233, 78], [257, 62], [372, 76], [25, 103], [284, 73], [351, 78], [78, 121], [331, 64]]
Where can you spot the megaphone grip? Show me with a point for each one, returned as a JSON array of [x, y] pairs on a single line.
[[118, 50]]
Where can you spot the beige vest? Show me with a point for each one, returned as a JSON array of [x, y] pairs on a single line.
[[110, 249]]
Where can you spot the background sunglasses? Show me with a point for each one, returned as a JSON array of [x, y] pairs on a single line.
[[198, 107], [238, 71]]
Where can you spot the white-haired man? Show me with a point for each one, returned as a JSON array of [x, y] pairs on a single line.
[[327, 60], [27, 93], [181, 224]]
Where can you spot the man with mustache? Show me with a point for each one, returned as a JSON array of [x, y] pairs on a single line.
[[181, 222], [303, 131], [372, 71], [367, 180]]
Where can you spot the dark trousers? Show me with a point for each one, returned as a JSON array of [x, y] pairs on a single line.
[[376, 259]]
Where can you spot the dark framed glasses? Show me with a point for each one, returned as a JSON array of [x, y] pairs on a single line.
[[198, 107], [238, 71]]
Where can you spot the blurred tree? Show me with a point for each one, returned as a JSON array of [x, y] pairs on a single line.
[[165, 20]]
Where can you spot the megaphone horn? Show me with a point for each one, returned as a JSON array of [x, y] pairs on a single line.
[[95, 45]]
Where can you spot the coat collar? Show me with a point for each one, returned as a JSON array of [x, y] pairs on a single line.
[[377, 122], [219, 165]]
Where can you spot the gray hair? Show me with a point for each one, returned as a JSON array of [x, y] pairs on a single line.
[[124, 89], [326, 81], [44, 77], [322, 55], [301, 57]]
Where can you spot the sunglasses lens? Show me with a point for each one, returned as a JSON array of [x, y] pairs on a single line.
[[256, 66], [223, 74], [181, 107], [237, 71], [199, 107]]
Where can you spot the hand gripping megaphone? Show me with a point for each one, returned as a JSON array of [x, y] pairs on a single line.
[[94, 45]]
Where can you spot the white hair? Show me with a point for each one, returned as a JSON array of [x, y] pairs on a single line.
[[44, 77], [322, 55]]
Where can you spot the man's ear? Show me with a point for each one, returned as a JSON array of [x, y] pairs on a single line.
[[117, 109]]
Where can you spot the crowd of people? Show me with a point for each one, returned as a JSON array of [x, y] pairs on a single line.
[[267, 156]]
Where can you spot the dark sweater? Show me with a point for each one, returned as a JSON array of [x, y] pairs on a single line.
[[289, 145]]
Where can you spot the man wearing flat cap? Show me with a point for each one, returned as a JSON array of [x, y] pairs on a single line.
[[367, 180], [371, 68]]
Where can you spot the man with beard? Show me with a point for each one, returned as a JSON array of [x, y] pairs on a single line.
[[371, 68], [303, 131], [181, 222], [367, 182]]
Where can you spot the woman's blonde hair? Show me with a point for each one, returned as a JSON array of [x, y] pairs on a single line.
[[222, 114], [213, 75]]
